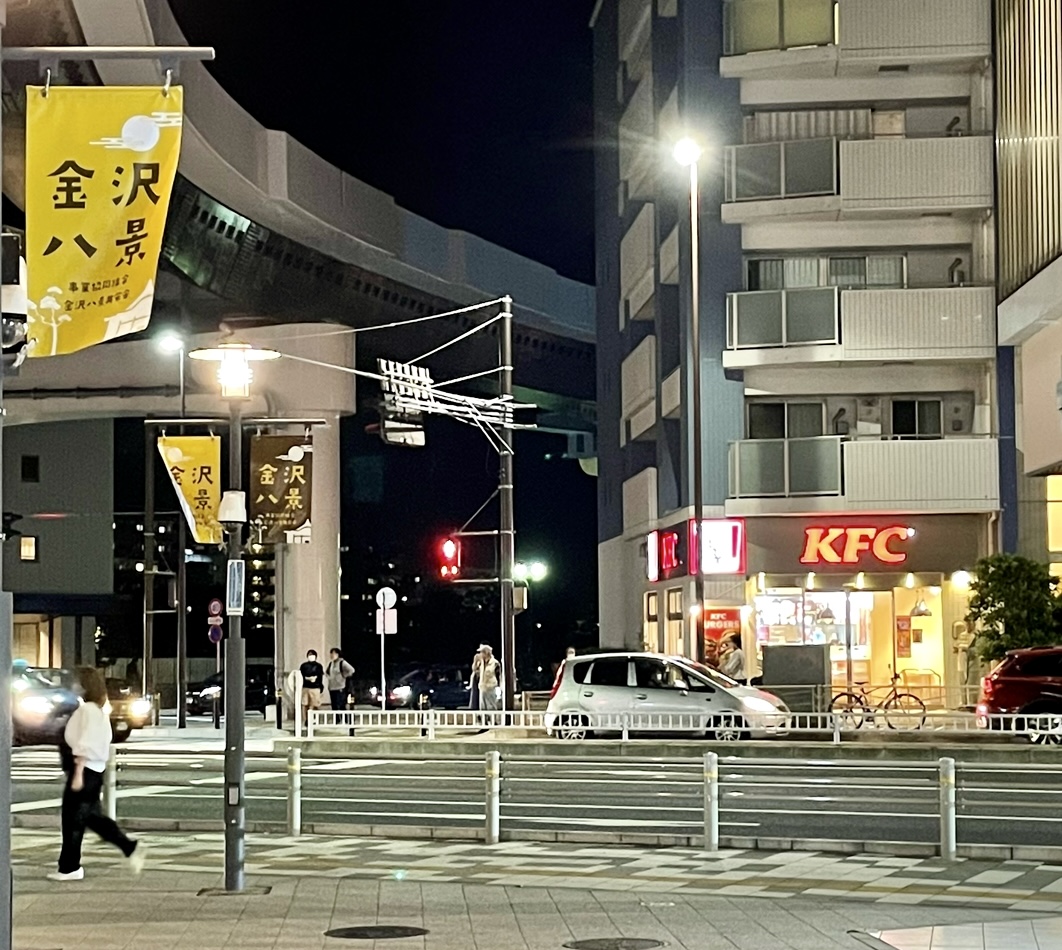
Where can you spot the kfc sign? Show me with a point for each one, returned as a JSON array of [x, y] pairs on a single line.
[[836, 545], [674, 552]]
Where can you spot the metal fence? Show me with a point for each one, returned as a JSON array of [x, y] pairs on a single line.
[[707, 801], [884, 718]]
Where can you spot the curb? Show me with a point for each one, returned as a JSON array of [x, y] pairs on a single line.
[[972, 852]]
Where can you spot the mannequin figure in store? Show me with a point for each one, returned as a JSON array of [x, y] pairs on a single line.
[[732, 658]]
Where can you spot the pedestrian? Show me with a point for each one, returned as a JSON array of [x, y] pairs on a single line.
[[337, 674], [732, 658], [473, 682], [312, 684], [88, 736], [489, 678]]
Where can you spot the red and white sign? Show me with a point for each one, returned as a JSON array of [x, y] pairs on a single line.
[[851, 545], [722, 547], [720, 620]]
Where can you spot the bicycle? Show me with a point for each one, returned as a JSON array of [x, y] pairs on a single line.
[[900, 710]]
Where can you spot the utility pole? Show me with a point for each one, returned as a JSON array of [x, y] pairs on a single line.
[[149, 558], [696, 416], [182, 590], [235, 685], [505, 502]]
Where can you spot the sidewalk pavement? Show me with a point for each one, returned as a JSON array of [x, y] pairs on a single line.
[[529, 895]]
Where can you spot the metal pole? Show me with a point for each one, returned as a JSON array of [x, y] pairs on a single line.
[[214, 702], [383, 674], [278, 634], [182, 593], [235, 685], [295, 791], [697, 650], [507, 524], [6, 632], [711, 801], [149, 559], [948, 835], [493, 804]]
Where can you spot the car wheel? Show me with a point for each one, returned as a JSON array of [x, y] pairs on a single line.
[[1043, 726], [573, 728], [728, 729]]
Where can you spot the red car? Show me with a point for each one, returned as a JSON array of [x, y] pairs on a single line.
[[1026, 682]]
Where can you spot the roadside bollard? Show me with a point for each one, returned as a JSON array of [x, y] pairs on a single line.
[[836, 719], [948, 837], [110, 785], [711, 801], [294, 792], [493, 809], [426, 729]]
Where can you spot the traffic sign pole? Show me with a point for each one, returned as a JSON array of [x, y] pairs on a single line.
[[386, 599]]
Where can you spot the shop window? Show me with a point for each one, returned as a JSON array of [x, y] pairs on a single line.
[[27, 548], [1054, 513], [610, 671], [916, 418]]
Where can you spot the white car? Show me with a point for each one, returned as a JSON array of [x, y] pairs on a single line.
[[652, 693]]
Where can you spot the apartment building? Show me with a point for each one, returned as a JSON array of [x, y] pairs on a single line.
[[853, 395]]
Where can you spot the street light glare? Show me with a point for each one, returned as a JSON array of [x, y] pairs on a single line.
[[686, 151], [170, 343], [538, 571], [234, 369]]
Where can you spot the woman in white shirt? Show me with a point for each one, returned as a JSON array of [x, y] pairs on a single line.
[[88, 734]]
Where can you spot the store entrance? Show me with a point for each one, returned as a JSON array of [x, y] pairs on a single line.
[[871, 633]]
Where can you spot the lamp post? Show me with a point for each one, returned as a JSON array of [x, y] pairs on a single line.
[[234, 373], [688, 153], [172, 343]]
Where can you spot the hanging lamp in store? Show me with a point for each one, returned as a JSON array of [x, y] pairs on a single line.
[[826, 615], [920, 609]]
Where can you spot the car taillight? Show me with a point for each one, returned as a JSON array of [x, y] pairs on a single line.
[[988, 687], [557, 679]]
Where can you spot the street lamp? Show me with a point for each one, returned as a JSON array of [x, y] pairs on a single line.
[[688, 153], [234, 374], [171, 343]]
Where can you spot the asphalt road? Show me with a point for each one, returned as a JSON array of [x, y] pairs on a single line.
[[854, 801]]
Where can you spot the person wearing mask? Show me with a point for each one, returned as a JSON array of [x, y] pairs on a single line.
[[732, 659], [489, 678], [88, 737], [337, 673], [312, 684]]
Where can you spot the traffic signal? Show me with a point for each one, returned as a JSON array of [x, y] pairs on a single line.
[[449, 558]]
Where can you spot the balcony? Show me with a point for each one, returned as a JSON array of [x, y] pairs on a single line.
[[818, 38], [831, 473], [802, 326], [828, 179]]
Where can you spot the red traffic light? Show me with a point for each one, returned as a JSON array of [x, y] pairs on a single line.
[[449, 558]]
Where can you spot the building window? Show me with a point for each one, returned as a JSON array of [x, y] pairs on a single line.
[[27, 548], [917, 418], [31, 468], [785, 420]]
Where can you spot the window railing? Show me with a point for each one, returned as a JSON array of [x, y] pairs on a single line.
[[795, 169], [794, 317], [751, 26], [783, 468]]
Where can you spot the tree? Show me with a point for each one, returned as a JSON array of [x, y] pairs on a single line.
[[1013, 605]]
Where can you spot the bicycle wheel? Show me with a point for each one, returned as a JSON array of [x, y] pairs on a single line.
[[905, 711], [849, 709]]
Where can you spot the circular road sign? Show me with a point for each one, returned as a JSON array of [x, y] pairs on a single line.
[[215, 634], [386, 598], [215, 608]]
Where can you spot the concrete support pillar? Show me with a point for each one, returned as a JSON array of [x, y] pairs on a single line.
[[310, 581]]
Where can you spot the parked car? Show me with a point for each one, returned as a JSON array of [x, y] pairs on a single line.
[[1025, 682], [260, 692], [40, 706], [436, 687], [653, 685]]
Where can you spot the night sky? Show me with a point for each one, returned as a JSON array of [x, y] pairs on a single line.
[[476, 115]]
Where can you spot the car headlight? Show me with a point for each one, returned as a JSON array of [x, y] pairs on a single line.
[[759, 704], [35, 705], [402, 692], [141, 708]]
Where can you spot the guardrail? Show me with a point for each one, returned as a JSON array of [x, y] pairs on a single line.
[[891, 717], [709, 801]]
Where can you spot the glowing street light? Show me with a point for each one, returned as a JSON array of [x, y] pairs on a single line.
[[535, 571], [234, 365], [687, 152]]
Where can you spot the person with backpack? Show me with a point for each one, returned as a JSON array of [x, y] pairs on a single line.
[[337, 679]]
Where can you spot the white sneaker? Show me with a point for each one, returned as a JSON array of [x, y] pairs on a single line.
[[138, 858], [78, 875]]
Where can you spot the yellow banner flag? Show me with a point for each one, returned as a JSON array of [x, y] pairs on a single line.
[[100, 164], [194, 464]]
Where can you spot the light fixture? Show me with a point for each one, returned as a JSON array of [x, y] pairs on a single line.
[[686, 152], [761, 582], [170, 343], [234, 365], [809, 583], [960, 580], [909, 581], [537, 571], [826, 615], [861, 580], [695, 610], [910, 533], [921, 610]]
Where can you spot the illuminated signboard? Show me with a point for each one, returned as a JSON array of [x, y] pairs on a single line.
[[848, 545], [673, 552]]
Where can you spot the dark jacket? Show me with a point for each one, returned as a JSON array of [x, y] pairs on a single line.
[[312, 675]]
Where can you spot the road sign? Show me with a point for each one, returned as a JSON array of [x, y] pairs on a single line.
[[215, 621], [234, 587], [214, 609], [386, 598], [386, 621], [214, 634]]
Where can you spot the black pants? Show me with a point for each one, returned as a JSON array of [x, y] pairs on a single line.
[[339, 699], [81, 810]]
